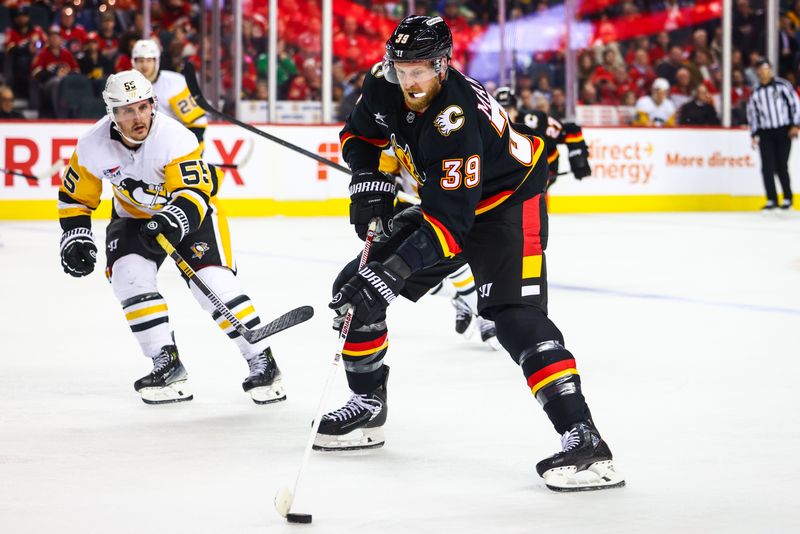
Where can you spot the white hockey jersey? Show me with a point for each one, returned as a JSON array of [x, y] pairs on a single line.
[[166, 169], [174, 100], [648, 113]]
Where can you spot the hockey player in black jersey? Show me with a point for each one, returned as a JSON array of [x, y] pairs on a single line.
[[553, 131], [481, 185]]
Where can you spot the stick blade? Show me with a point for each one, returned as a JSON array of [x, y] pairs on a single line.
[[283, 501], [287, 320]]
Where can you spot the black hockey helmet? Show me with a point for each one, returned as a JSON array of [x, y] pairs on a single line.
[[505, 97], [418, 38]]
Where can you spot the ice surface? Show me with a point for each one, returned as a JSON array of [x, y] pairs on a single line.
[[684, 327]]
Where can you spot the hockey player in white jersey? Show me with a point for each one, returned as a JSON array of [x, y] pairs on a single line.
[[161, 185], [170, 88]]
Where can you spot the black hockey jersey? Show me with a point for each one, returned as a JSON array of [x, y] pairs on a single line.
[[557, 133], [462, 151]]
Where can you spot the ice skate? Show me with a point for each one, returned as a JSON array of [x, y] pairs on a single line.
[[264, 381], [356, 425], [584, 463], [167, 382], [488, 333], [464, 317]]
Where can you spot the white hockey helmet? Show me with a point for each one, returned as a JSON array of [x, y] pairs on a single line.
[[125, 88], [146, 48]]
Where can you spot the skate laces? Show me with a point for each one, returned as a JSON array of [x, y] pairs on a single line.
[[462, 308], [487, 327], [161, 360], [354, 406], [258, 364]]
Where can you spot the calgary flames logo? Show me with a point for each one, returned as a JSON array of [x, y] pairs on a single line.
[[449, 120], [403, 155]]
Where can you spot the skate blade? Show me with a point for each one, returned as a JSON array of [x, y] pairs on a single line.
[[493, 343], [361, 438], [268, 394], [598, 476], [471, 328], [175, 392]]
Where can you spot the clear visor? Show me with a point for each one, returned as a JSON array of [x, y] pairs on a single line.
[[408, 73], [134, 111]]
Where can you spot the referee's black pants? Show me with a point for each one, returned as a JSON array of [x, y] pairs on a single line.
[[775, 145]]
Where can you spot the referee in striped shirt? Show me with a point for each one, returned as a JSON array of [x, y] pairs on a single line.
[[774, 116]]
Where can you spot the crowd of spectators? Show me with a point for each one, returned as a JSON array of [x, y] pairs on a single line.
[[46, 42], [50, 47], [688, 58]]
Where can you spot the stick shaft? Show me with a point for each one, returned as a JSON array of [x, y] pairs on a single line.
[[197, 94], [207, 291], [348, 318]]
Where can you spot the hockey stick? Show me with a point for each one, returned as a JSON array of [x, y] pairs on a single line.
[[194, 89], [285, 497], [58, 166], [287, 320]]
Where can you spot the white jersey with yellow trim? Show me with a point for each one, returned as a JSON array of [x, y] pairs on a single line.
[[174, 100], [651, 114], [166, 168]]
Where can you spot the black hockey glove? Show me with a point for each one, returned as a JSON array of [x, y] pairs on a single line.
[[370, 292], [371, 195], [579, 163], [78, 252], [171, 222]]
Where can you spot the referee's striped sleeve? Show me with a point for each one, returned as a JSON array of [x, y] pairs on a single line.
[[752, 116]]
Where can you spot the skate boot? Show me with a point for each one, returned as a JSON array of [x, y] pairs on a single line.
[[167, 381], [464, 323], [356, 425], [584, 463], [264, 381], [488, 333]]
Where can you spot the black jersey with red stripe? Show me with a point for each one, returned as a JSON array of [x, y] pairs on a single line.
[[555, 133], [463, 152]]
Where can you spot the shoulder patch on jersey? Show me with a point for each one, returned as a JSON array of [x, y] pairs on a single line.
[[113, 172], [377, 69], [449, 120]]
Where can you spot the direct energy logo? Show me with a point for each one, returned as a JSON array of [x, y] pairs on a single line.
[[631, 162]]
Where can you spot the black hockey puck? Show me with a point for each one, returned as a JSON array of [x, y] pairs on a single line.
[[298, 518]]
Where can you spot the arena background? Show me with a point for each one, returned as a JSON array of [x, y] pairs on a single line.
[[312, 60]]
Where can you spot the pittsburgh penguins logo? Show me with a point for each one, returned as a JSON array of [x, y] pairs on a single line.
[[139, 193], [199, 249]]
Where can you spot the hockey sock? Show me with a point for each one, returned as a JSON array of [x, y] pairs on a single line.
[[133, 280], [464, 283], [226, 285], [537, 346], [554, 380], [363, 355], [149, 321]]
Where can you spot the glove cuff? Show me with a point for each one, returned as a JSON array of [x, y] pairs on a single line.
[[74, 235], [177, 218]]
